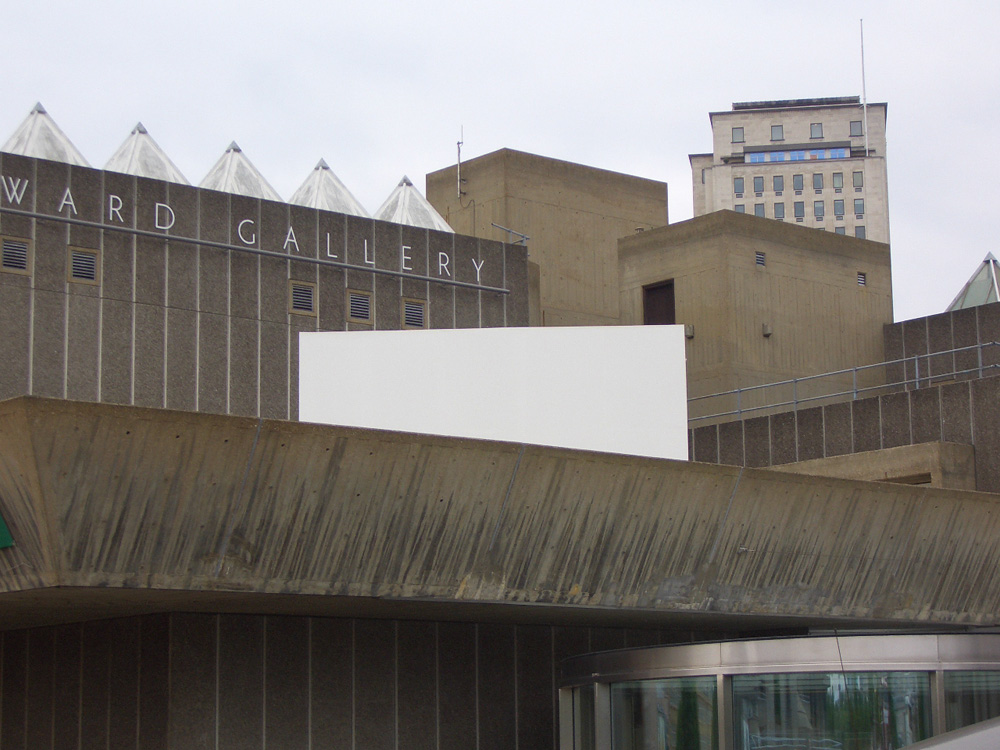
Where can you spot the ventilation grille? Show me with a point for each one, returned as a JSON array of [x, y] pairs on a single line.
[[82, 266], [15, 255], [303, 298], [759, 258], [413, 313], [862, 279], [359, 306]]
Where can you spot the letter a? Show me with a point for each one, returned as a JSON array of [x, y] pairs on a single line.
[[290, 240], [67, 200], [14, 189]]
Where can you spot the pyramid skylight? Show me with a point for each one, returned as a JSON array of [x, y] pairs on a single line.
[[324, 190], [234, 173], [406, 205], [141, 156], [39, 136], [982, 288]]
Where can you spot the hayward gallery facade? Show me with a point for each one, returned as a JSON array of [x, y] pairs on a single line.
[[190, 569]]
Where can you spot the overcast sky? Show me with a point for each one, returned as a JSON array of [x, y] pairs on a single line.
[[382, 89]]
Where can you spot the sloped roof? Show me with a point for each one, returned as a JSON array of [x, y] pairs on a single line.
[[324, 190], [141, 156], [234, 173], [406, 205], [982, 288], [39, 136]]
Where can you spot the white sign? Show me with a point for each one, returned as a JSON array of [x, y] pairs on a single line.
[[619, 389]]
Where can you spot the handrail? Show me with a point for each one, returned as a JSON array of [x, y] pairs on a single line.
[[854, 391]]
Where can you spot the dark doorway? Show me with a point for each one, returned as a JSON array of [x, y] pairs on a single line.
[[658, 304]]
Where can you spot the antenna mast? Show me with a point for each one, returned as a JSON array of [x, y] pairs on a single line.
[[458, 168], [864, 92]]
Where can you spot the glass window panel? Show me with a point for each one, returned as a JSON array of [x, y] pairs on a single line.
[[798, 155], [779, 183], [777, 156], [758, 184], [737, 184], [859, 205], [838, 179], [859, 179], [737, 135], [970, 697], [758, 209], [797, 181], [817, 182], [740, 208], [860, 232], [816, 130], [840, 230], [848, 711], [818, 209], [777, 133], [584, 715], [679, 713], [757, 157], [800, 209], [838, 208], [856, 128], [779, 210]]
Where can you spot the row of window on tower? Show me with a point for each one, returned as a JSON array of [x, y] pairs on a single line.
[[856, 129], [798, 183], [819, 213]]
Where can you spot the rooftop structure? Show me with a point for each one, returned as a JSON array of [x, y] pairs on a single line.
[[141, 156], [406, 205], [817, 162], [322, 189], [982, 287], [40, 137], [235, 173]]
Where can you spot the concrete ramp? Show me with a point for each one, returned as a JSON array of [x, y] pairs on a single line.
[[166, 509]]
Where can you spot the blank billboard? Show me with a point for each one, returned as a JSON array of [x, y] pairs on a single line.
[[619, 389]]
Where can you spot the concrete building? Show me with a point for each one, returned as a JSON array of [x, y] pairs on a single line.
[[572, 214], [816, 162], [753, 294]]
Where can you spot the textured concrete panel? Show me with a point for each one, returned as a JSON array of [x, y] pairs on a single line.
[[988, 317], [985, 434], [895, 420], [535, 688], [213, 280], [810, 433], [359, 232], [184, 200], [441, 306], [149, 353], [83, 339], [965, 332], [388, 313], [867, 425], [783, 438], [116, 266], [731, 443], [148, 193], [925, 415], [274, 370], [466, 308], [213, 365], [375, 683], [95, 648], [466, 249], [418, 689], [497, 686], [838, 429], [50, 256], [150, 271], [48, 347], [19, 168], [116, 352], [123, 682], [331, 298], [757, 448], [272, 229], [892, 334], [15, 317], [417, 242], [388, 238], [516, 275], [492, 309], [244, 285], [915, 344], [457, 712], [243, 364], [331, 233], [192, 681], [122, 188], [241, 682], [956, 413], [51, 180], [940, 339], [286, 703], [182, 275], [182, 359], [87, 195], [332, 694], [214, 216], [706, 444], [306, 241]]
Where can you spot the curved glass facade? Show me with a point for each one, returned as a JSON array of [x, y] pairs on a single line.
[[840, 693]]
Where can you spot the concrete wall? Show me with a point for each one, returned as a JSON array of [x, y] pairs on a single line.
[[965, 412], [573, 214], [230, 681], [716, 191], [807, 293], [197, 316]]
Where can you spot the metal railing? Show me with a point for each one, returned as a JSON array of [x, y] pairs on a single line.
[[918, 371]]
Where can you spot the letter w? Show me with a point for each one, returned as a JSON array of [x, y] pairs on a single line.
[[14, 189]]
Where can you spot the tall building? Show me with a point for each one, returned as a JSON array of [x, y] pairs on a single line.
[[815, 162]]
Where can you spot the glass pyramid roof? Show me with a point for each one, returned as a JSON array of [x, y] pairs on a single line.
[[141, 156], [324, 190], [982, 288], [234, 173], [406, 205], [39, 136]]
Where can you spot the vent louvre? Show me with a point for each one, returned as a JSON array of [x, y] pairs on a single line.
[[760, 258], [82, 266], [413, 314], [862, 279], [359, 306], [303, 298], [15, 255]]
